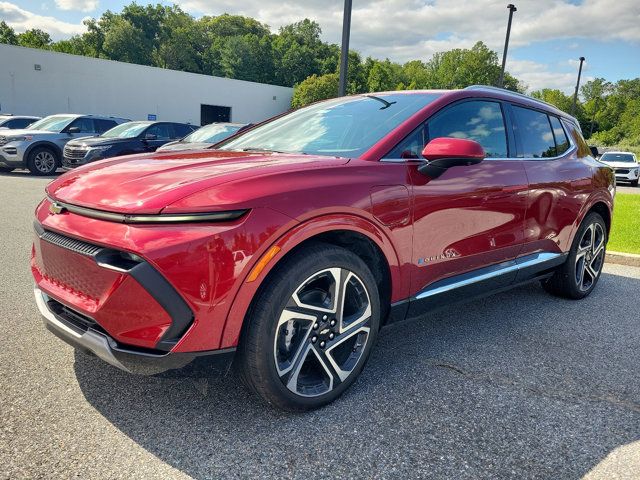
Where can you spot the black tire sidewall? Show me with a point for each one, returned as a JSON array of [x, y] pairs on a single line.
[[268, 307], [31, 161]]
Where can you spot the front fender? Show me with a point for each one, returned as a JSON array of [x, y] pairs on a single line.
[[294, 237]]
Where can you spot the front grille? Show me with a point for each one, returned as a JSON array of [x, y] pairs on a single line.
[[72, 244], [74, 153], [622, 171]]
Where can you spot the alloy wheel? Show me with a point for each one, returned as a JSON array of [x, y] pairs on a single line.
[[322, 332], [590, 256], [44, 161]]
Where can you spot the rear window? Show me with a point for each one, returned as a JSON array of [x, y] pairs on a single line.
[[536, 136], [104, 125], [181, 130]]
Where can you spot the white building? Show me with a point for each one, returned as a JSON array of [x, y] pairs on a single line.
[[39, 82]]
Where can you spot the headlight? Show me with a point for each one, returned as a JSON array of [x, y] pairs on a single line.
[[23, 138], [99, 148]]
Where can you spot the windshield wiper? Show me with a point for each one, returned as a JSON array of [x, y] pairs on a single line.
[[258, 149], [386, 103]]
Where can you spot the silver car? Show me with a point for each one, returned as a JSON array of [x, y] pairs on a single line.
[[625, 165], [15, 122], [39, 147]]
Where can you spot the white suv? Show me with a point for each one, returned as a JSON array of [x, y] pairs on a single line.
[[624, 164]]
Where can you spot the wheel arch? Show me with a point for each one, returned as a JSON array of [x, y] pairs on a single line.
[[600, 203], [356, 234], [43, 143]]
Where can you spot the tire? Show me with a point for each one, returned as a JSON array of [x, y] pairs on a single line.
[[578, 276], [294, 352], [6, 169], [43, 161], [634, 183]]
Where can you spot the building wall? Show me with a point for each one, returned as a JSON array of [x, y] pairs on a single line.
[[74, 84]]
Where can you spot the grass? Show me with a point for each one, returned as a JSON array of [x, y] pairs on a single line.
[[625, 231]]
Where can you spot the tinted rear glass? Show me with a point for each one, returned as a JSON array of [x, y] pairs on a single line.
[[536, 136]]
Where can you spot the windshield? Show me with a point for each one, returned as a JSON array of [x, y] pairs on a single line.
[[211, 133], [342, 127], [126, 130], [54, 123], [618, 157]]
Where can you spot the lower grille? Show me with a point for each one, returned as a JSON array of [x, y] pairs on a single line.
[[622, 171], [78, 320]]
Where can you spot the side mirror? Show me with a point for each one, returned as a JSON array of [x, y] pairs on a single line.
[[150, 136], [594, 151], [73, 130], [445, 152]]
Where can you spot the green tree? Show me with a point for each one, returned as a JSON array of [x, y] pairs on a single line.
[[315, 88], [126, 43], [7, 34], [34, 38], [248, 57], [384, 76]]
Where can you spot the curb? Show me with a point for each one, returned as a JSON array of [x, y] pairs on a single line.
[[619, 258]]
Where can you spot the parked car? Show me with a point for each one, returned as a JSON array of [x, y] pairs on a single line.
[[125, 139], [16, 122], [624, 164], [204, 137], [350, 214], [39, 147]]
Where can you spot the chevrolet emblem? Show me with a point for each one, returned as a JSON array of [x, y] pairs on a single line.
[[56, 208]]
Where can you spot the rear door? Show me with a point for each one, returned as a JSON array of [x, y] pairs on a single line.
[[560, 178], [163, 133], [471, 217]]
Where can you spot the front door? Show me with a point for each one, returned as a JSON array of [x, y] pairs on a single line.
[[469, 221]]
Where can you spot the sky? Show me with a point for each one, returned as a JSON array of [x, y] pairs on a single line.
[[547, 37]]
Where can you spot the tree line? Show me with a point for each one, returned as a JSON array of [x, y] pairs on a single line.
[[243, 48]]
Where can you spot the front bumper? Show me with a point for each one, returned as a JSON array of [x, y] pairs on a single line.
[[627, 175], [94, 342]]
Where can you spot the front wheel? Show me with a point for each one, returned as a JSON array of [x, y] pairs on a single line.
[[311, 329], [43, 161], [578, 276]]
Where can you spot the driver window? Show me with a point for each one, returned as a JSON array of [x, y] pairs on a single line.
[[84, 124], [477, 120]]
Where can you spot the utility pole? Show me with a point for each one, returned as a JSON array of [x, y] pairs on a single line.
[[575, 94], [344, 55], [512, 8]]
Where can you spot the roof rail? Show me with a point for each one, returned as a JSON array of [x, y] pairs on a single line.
[[509, 92]]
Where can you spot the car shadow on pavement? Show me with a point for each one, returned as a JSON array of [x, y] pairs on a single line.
[[520, 384], [26, 173]]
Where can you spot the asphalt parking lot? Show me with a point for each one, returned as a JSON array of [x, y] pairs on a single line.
[[519, 385]]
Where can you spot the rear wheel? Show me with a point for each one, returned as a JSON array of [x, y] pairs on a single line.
[[6, 169], [311, 328], [578, 276], [43, 161]]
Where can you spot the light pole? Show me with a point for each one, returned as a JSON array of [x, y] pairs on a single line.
[[344, 55], [575, 94], [512, 8]]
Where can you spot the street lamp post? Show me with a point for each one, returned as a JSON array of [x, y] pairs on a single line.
[[344, 55], [575, 94], [512, 8]]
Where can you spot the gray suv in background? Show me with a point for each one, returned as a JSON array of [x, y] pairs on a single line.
[[39, 147]]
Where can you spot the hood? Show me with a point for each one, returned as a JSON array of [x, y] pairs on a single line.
[[150, 182], [620, 164], [95, 141], [26, 131], [175, 146]]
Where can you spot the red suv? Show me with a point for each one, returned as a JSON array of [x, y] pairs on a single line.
[[288, 246]]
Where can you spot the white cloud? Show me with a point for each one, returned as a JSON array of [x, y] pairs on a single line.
[[21, 20], [80, 5], [538, 75]]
